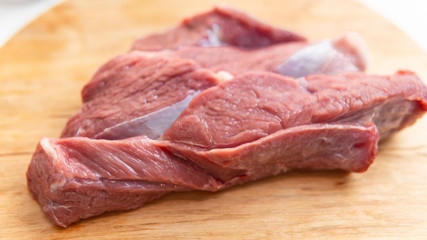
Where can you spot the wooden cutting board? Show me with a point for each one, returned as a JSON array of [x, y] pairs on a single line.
[[43, 68]]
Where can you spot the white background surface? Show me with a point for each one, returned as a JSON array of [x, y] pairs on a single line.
[[408, 15]]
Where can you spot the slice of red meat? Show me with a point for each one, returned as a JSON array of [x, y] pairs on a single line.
[[142, 93], [241, 110], [255, 105], [349, 147], [232, 129], [76, 178], [295, 59], [220, 26], [137, 94]]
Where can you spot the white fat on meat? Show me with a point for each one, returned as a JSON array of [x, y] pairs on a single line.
[[223, 76]]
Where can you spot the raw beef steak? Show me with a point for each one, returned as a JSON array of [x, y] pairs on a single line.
[[220, 100], [221, 26], [254, 126]]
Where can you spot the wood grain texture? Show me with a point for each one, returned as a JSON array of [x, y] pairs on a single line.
[[43, 68]]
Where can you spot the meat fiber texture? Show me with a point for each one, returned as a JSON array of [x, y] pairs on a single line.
[[219, 100]]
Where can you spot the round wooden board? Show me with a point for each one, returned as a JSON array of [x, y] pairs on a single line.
[[43, 68]]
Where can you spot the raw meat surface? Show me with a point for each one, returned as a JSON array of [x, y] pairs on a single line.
[[220, 100], [255, 105], [294, 59], [350, 147], [151, 110], [134, 85], [76, 178], [142, 93], [221, 26]]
